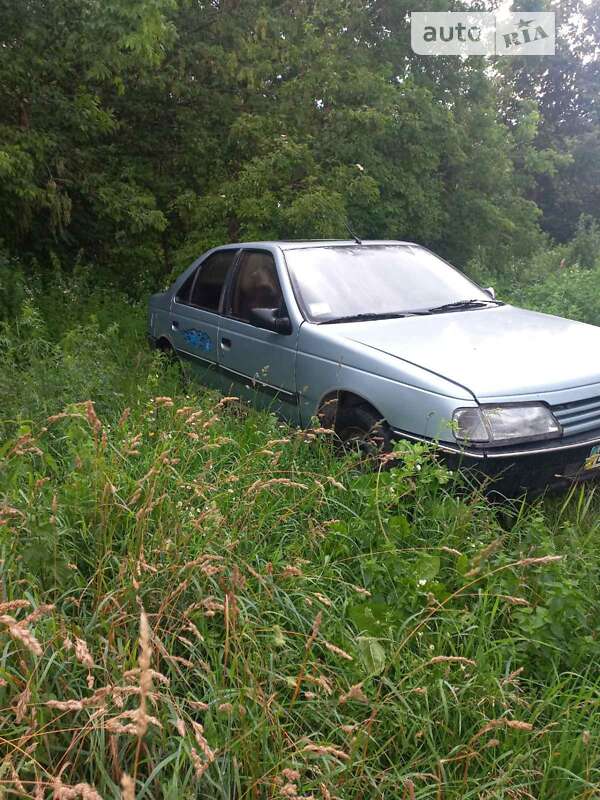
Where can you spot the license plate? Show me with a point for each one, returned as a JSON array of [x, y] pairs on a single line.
[[593, 460]]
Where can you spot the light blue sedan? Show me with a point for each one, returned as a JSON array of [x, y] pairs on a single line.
[[385, 340]]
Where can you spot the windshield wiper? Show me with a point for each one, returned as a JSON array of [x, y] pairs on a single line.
[[459, 305], [366, 317]]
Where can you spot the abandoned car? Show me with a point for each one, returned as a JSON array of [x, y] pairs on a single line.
[[385, 339]]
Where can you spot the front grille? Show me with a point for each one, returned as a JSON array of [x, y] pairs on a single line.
[[579, 416]]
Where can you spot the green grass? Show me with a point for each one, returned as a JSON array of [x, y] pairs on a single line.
[[275, 577]]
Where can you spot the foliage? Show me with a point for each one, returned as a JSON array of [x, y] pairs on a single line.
[[571, 292], [134, 135], [315, 629], [561, 279], [563, 88]]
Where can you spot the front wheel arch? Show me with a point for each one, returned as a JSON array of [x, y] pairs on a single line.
[[337, 409]]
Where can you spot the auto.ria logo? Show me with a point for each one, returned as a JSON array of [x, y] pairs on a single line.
[[480, 33]]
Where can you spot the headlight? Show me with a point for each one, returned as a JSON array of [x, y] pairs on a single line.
[[506, 423]]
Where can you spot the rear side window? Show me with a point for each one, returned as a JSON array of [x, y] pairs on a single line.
[[209, 281], [183, 293]]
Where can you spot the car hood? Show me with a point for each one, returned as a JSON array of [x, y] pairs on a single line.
[[494, 352]]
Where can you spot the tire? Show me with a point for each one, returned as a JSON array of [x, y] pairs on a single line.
[[362, 428]]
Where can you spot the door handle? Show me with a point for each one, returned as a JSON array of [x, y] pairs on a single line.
[[174, 324], [226, 343]]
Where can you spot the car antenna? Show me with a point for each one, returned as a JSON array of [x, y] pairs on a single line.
[[352, 234]]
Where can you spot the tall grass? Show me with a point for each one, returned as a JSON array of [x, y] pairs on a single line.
[[200, 602]]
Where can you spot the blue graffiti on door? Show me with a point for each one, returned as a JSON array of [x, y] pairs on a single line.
[[198, 339]]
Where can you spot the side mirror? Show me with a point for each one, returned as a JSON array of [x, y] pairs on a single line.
[[491, 291], [270, 320]]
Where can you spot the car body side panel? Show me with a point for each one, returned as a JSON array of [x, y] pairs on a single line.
[[260, 365], [158, 317], [408, 397], [195, 339]]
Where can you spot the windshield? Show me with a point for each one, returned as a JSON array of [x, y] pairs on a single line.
[[362, 280]]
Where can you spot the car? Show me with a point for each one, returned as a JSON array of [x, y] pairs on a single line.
[[384, 340]]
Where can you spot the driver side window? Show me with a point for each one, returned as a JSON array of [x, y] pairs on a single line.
[[256, 285]]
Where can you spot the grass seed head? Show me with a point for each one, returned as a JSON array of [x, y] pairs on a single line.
[[81, 790], [337, 650], [21, 634], [354, 693], [326, 750], [82, 653], [539, 561], [451, 660], [127, 787], [14, 605]]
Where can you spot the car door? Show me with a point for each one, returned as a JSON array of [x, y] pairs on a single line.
[[195, 314], [260, 363]]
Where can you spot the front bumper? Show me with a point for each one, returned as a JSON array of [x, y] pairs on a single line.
[[533, 468]]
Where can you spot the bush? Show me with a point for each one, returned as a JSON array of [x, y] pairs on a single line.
[[12, 286], [584, 249], [572, 292]]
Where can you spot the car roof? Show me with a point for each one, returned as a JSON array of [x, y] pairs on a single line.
[[300, 243]]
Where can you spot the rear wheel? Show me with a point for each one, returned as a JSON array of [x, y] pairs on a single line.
[[362, 428]]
